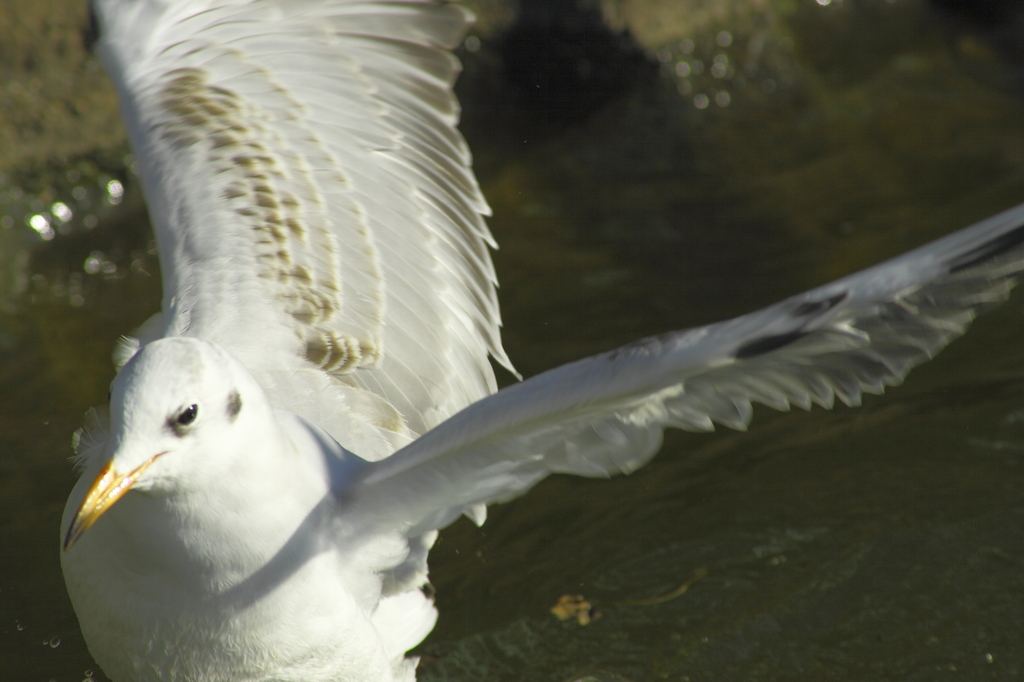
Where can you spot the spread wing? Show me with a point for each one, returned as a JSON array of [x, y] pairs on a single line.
[[605, 414], [312, 200]]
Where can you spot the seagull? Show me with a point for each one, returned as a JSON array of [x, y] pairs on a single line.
[[315, 400]]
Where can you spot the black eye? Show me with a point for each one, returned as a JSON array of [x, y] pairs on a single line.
[[187, 416]]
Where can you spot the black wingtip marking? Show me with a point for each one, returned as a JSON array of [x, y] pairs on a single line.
[[234, 405], [768, 343], [816, 307], [988, 250]]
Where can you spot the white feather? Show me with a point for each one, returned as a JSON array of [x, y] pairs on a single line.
[[312, 199], [604, 415]]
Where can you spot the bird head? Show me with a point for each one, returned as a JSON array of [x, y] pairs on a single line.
[[179, 410]]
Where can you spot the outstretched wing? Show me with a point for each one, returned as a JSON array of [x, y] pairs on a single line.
[[605, 414], [312, 199]]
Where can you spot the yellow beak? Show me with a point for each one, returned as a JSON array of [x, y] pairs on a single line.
[[107, 489]]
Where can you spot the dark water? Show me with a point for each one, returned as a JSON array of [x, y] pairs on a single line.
[[881, 543]]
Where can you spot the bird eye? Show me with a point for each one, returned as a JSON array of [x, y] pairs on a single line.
[[187, 416]]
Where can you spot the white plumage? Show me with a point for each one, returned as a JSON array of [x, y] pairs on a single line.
[[327, 281], [312, 197]]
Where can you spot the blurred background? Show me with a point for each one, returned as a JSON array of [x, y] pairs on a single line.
[[651, 166]]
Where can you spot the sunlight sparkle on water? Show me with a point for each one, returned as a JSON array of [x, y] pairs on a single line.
[[41, 224], [93, 262], [61, 211], [115, 191]]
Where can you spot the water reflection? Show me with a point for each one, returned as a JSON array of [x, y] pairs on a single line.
[[878, 543]]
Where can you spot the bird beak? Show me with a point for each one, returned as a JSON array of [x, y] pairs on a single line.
[[107, 489]]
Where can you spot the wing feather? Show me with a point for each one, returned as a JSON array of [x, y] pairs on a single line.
[[605, 414], [313, 201]]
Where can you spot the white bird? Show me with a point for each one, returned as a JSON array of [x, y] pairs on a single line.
[[315, 400]]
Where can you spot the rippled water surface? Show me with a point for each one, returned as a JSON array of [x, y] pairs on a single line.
[[696, 177]]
